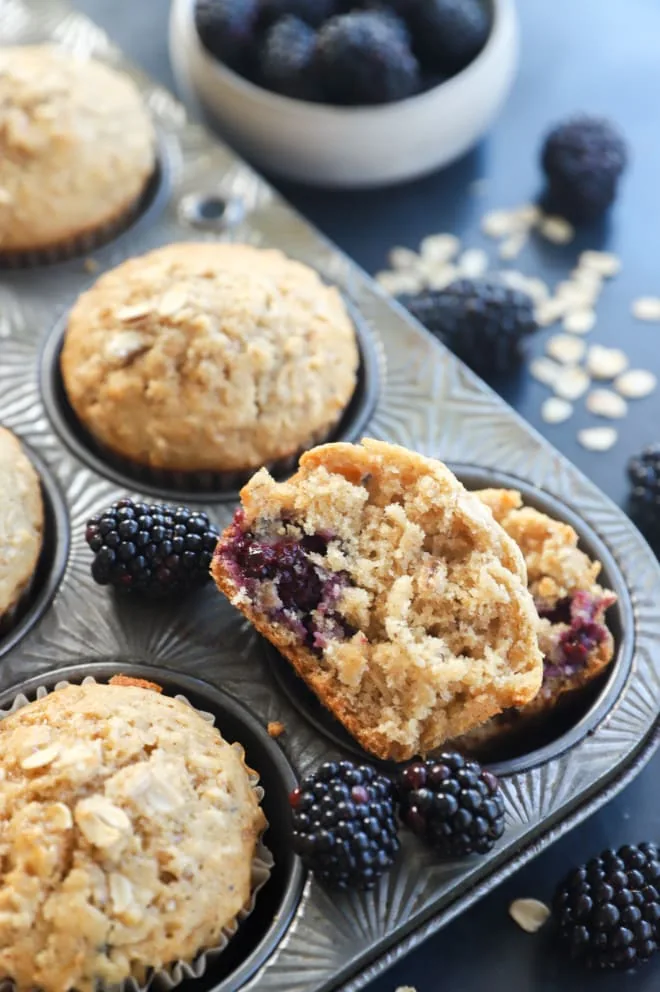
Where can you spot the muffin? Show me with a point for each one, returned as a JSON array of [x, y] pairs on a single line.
[[391, 590], [199, 358], [129, 831], [574, 638], [21, 527], [77, 149]]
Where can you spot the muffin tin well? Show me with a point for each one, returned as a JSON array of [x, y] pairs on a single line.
[[276, 902], [413, 392], [52, 560], [552, 736], [179, 485]]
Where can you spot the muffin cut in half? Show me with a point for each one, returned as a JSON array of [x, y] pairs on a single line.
[[390, 589], [128, 831], [574, 638]]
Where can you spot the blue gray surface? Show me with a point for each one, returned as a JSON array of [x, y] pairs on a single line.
[[577, 55]]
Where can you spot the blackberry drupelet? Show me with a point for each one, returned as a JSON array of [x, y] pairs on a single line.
[[364, 58], [607, 912], [583, 160], [480, 320], [343, 824], [226, 28], [448, 34], [287, 59], [314, 12], [452, 804], [644, 475], [155, 550]]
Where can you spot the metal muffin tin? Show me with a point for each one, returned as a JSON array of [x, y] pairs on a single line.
[[427, 401]]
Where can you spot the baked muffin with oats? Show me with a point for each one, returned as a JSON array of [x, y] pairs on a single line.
[[390, 589], [201, 358], [574, 637], [128, 831], [77, 149], [21, 527]]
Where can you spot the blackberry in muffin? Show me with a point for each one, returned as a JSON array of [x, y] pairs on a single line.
[[390, 589], [574, 638]]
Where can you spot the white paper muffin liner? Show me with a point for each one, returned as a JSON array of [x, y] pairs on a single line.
[[173, 974]]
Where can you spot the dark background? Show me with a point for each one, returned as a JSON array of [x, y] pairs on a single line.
[[600, 56]]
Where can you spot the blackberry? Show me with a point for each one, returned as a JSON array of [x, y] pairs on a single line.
[[155, 550], [453, 804], [583, 160], [364, 58], [313, 12], [607, 912], [448, 34], [226, 28], [482, 321], [644, 475], [287, 60], [343, 824]]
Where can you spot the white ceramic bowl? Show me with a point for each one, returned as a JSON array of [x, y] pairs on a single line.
[[348, 146]]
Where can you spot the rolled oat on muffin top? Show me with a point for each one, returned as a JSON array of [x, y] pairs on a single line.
[[21, 522], [209, 357], [128, 830], [77, 147]]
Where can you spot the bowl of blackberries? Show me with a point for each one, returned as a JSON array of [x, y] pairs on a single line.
[[346, 93]]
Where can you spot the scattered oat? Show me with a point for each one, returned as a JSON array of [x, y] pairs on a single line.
[[406, 988], [172, 301], [603, 262], [572, 383], [440, 276], [605, 403], [473, 263], [646, 308], [545, 370], [497, 223], [557, 230], [606, 363], [511, 247], [566, 349], [537, 289], [403, 258], [554, 410], [397, 283], [579, 321], [575, 295], [440, 247], [529, 914], [41, 758], [635, 384], [588, 280], [91, 265], [275, 729], [598, 438], [548, 312]]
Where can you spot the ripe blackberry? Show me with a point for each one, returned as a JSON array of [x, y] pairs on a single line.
[[453, 804], [226, 29], [364, 58], [313, 12], [343, 824], [480, 320], [287, 60], [644, 475], [448, 34], [607, 912], [154, 550], [583, 160]]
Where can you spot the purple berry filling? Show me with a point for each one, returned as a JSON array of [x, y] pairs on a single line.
[[306, 593], [582, 614]]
